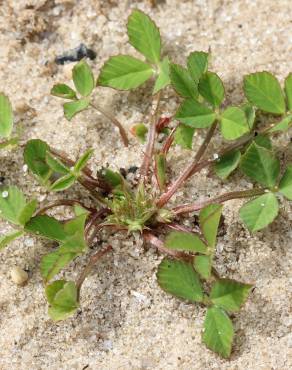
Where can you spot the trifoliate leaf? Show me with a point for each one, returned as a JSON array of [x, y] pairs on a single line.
[[263, 90], [47, 227], [183, 136], [233, 123], [179, 279], [182, 81], [74, 107], [124, 72], [197, 64], [195, 114], [218, 331], [261, 165], [203, 265], [259, 212], [185, 241], [285, 186], [288, 91], [83, 78], [163, 78], [229, 294], [6, 239], [211, 89], [227, 163], [6, 116], [144, 35], [209, 218], [35, 157], [63, 91]]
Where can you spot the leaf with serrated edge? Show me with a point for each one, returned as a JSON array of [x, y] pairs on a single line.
[[12, 203], [197, 64], [227, 164], [27, 212], [182, 81], [209, 218], [203, 265], [285, 186], [229, 294], [263, 90], [144, 35], [185, 241], [233, 123], [211, 89], [124, 72], [63, 91], [52, 263], [83, 78], [195, 114], [179, 279], [6, 239], [259, 212], [74, 107], [218, 331], [261, 165], [64, 302], [6, 116], [47, 227], [183, 136], [35, 158]]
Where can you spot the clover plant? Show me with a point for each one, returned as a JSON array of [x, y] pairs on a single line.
[[145, 208]]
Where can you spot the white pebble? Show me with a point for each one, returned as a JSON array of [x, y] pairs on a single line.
[[215, 156], [29, 242], [25, 168], [5, 194], [18, 275]]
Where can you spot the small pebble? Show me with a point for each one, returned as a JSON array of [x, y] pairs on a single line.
[[5, 194], [18, 275]]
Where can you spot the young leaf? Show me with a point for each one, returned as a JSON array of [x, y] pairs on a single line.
[[288, 91], [27, 212], [185, 241], [209, 221], [285, 186], [140, 131], [195, 114], [56, 165], [259, 212], [160, 170], [197, 64], [144, 35], [233, 123], [6, 116], [264, 141], [63, 91], [74, 107], [82, 161], [47, 227], [62, 296], [12, 203], [6, 239], [124, 72], [163, 78], [203, 265], [283, 125], [263, 90], [261, 165], [227, 164], [52, 263], [179, 279], [83, 78], [218, 331], [229, 294], [211, 88], [63, 183], [35, 157], [182, 81], [183, 136]]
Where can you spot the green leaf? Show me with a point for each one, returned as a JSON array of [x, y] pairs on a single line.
[[285, 186], [233, 123], [82, 161], [63, 91], [12, 203], [203, 265], [160, 170], [209, 218], [124, 72], [10, 143], [264, 141], [83, 78], [6, 116], [76, 226], [62, 296], [283, 125], [63, 183], [218, 331], [211, 89], [197, 64], [261, 165], [229, 294], [52, 263], [111, 177], [144, 35], [183, 136], [74, 107], [27, 212], [227, 164], [263, 90], [179, 279], [47, 227], [288, 91], [249, 111], [163, 78], [35, 157], [6, 239], [56, 165], [182, 81], [195, 114], [140, 131], [185, 241], [259, 212]]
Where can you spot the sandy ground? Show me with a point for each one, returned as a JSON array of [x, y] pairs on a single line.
[[126, 321]]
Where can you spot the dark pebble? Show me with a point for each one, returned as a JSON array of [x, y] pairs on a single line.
[[74, 55]]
